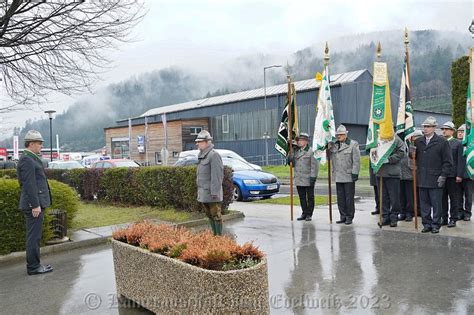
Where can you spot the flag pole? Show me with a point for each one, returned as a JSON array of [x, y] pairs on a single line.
[[408, 79], [326, 63], [379, 56], [290, 144]]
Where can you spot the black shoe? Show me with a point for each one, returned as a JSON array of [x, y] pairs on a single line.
[[451, 224], [408, 219], [393, 224], [348, 222], [402, 217], [340, 221], [301, 218], [375, 212], [426, 230], [466, 219], [435, 230], [40, 270], [308, 219]]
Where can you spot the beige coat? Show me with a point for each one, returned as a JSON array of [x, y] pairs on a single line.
[[210, 174], [306, 166], [345, 161]]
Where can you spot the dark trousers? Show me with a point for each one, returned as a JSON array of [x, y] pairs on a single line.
[[306, 194], [390, 199], [431, 199], [451, 190], [34, 230], [406, 198], [465, 198], [377, 198], [345, 200]]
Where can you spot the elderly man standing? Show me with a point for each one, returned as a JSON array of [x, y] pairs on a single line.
[[306, 171], [34, 198], [454, 179], [434, 161], [210, 174], [345, 158], [467, 185]]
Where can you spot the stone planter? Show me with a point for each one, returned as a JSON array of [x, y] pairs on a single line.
[[168, 286]]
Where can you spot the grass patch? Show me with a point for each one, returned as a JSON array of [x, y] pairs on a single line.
[[96, 214], [283, 171], [318, 200]]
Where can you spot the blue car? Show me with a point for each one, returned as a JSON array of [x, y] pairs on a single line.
[[248, 181]]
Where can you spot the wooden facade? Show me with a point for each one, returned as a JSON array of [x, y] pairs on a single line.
[[181, 136]]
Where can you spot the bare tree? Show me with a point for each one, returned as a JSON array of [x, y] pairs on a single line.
[[59, 45]]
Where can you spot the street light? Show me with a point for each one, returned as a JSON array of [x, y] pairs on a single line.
[[50, 114], [266, 136]]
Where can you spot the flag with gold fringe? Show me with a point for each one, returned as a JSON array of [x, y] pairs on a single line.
[[283, 137]]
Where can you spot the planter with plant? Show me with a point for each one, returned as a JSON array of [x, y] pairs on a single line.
[[174, 270]]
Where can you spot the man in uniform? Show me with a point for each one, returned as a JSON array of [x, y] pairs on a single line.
[[389, 174], [306, 171], [433, 163], [345, 157], [467, 185], [406, 185], [453, 184], [210, 174], [34, 198]]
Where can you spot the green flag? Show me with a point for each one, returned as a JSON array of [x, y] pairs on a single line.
[[405, 120], [283, 135], [468, 140]]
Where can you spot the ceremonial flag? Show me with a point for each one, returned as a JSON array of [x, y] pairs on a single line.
[[283, 135], [324, 127], [380, 135], [468, 140], [405, 121]]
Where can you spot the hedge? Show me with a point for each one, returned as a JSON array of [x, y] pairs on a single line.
[[155, 186], [460, 81], [12, 225]]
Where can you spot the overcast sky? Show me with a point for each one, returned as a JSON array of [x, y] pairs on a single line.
[[205, 33]]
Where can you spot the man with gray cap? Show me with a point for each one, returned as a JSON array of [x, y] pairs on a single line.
[[210, 174], [433, 164], [34, 198], [345, 159], [454, 178], [467, 185], [306, 171]]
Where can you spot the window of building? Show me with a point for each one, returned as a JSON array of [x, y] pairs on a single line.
[[158, 159], [120, 148], [195, 130], [225, 123]]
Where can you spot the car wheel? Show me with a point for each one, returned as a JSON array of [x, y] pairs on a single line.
[[237, 193]]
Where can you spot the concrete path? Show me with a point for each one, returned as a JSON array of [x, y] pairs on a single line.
[[314, 268]]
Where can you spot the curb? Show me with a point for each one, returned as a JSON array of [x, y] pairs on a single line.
[[46, 250]]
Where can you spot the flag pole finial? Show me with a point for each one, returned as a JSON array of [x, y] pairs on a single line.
[[471, 28], [407, 40], [326, 54], [379, 51]]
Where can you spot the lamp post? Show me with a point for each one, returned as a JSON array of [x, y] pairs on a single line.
[[266, 136], [50, 114]]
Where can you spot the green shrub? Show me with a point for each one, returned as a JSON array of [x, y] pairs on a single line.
[[12, 225], [460, 81]]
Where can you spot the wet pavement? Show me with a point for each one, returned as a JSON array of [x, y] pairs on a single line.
[[314, 268]]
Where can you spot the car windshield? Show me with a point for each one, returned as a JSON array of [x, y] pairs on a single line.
[[67, 165], [237, 165], [125, 164]]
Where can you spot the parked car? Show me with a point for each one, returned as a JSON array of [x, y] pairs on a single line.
[[248, 182], [65, 165], [91, 159], [114, 163], [222, 152]]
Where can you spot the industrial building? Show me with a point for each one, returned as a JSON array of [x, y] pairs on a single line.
[[238, 121]]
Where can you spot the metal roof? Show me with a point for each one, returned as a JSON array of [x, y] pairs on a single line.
[[304, 85]]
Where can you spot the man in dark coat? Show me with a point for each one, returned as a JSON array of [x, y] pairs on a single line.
[[35, 197], [210, 174], [453, 186], [389, 173], [467, 185], [433, 163], [374, 183]]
